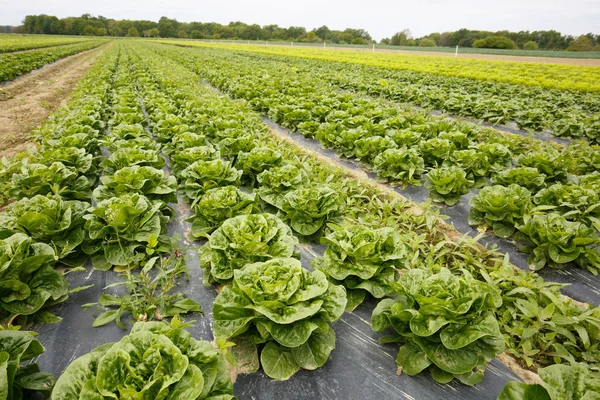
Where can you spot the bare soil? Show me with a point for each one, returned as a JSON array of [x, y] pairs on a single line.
[[27, 101]]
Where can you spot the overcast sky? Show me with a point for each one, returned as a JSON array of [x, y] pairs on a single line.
[[382, 18]]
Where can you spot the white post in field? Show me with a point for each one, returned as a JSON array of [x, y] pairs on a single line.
[[373, 47], [292, 44], [456, 54], [323, 44]]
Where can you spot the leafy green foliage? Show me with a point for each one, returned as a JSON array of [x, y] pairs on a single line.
[[204, 175], [148, 294], [549, 162], [556, 242], [124, 231], [218, 205], [256, 161], [154, 361], [364, 260], [287, 308], [447, 184], [501, 208], [52, 220], [242, 240], [573, 201], [445, 322], [475, 164], [308, 209], [403, 165], [527, 177], [17, 380], [435, 151], [559, 382], [130, 157], [149, 181], [27, 280], [34, 179], [542, 327], [275, 182]]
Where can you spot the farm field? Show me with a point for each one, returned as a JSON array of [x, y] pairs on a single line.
[[14, 42], [17, 63], [268, 224]]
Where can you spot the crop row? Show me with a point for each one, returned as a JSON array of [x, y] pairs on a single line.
[[563, 113], [519, 309], [11, 43], [531, 191], [551, 76], [14, 65]]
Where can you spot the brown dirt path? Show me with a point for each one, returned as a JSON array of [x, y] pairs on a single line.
[[26, 102]]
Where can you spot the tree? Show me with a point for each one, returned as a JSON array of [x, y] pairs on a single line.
[[196, 35], [311, 36], [385, 41], [582, 43], [401, 38], [132, 32], [426, 42], [323, 32], [89, 31], [181, 34], [154, 32], [495, 42], [167, 27], [531, 45]]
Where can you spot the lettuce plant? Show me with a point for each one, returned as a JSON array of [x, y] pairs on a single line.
[[52, 220], [460, 140], [21, 381], [436, 151], [242, 240], [155, 361], [151, 182], [475, 164], [447, 184], [501, 208], [403, 165], [285, 307], [556, 242], [364, 260], [218, 205], [124, 231], [498, 155], [182, 159], [201, 176], [275, 182], [34, 179], [186, 140], [129, 157], [573, 201], [28, 280], [559, 382], [367, 149], [254, 162], [309, 209], [445, 322], [527, 177], [73, 157], [405, 137], [549, 162]]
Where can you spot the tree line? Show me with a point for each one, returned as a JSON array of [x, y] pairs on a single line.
[[171, 28], [528, 40]]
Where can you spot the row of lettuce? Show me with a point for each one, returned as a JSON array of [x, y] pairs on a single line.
[[552, 76], [17, 64], [546, 192], [253, 255], [12, 43], [572, 114], [215, 145]]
